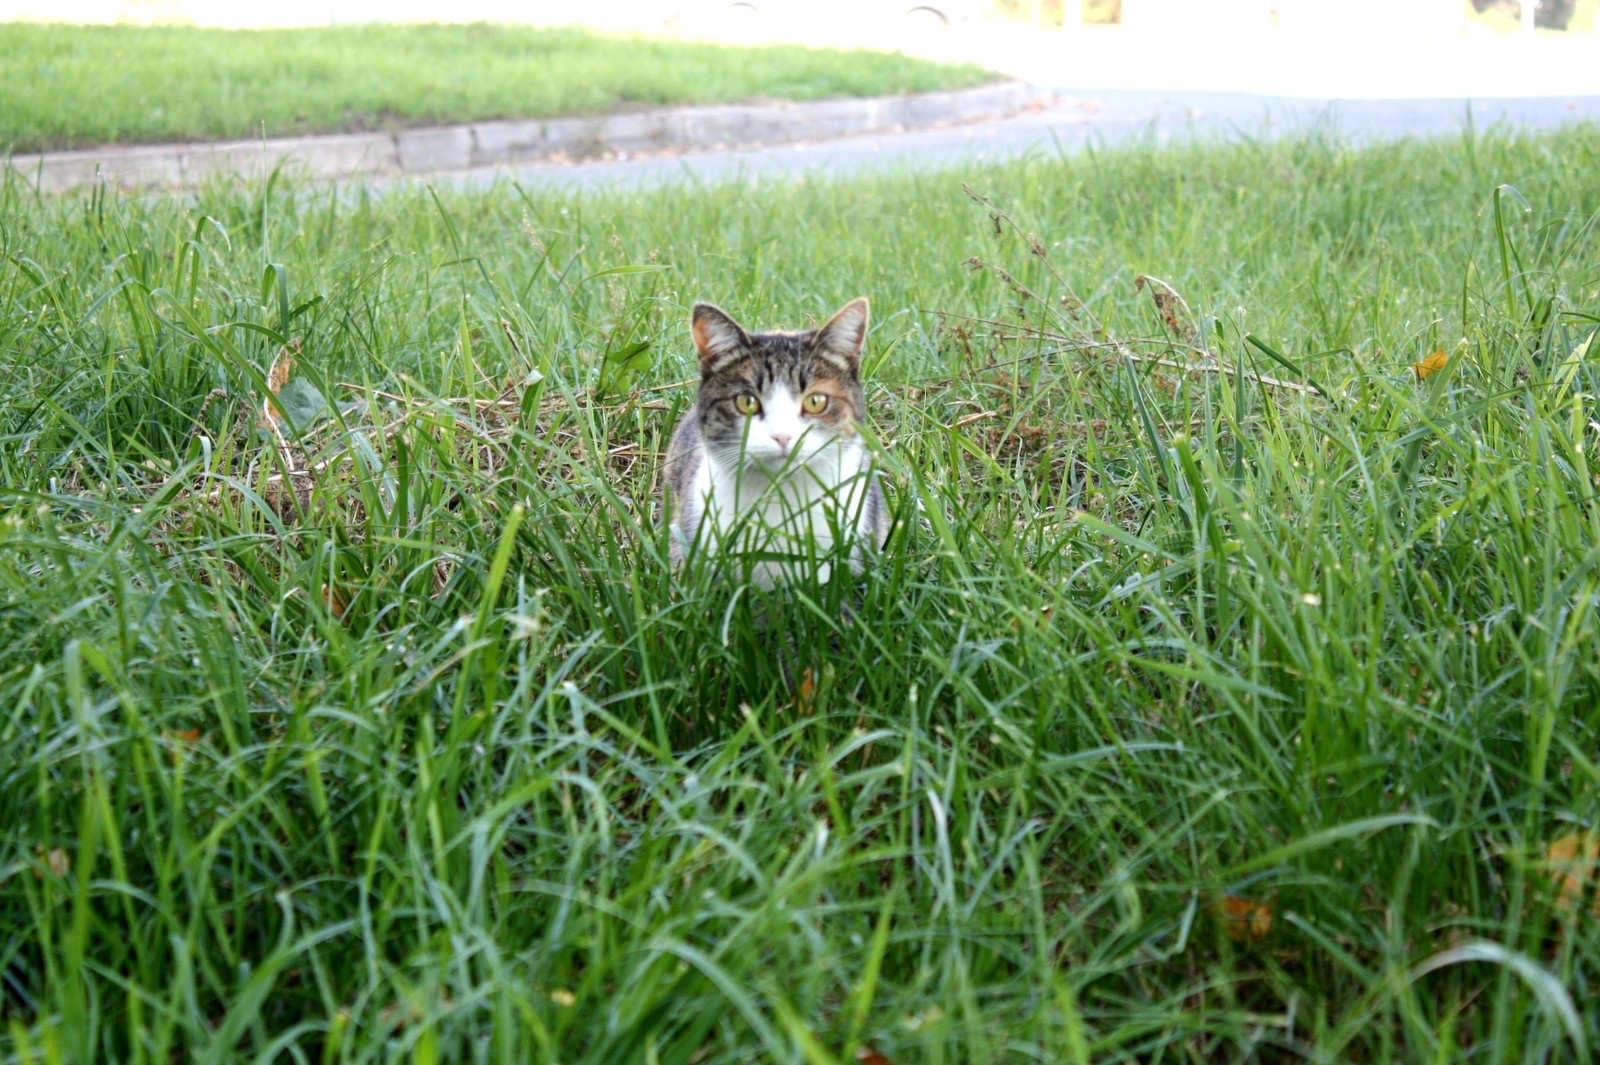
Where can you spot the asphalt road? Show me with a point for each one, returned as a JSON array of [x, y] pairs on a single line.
[[1118, 86], [1069, 124], [1077, 118]]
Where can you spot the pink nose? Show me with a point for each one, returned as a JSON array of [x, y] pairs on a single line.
[[782, 440]]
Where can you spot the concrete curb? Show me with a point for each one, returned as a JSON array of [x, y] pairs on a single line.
[[420, 151]]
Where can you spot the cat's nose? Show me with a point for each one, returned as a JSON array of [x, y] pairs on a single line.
[[783, 440]]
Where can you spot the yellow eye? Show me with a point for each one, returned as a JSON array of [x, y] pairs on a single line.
[[815, 403], [746, 404]]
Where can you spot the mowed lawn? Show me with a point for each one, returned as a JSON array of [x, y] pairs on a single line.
[[1229, 690], [69, 86]]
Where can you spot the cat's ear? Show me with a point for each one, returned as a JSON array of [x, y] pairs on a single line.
[[717, 337], [840, 340]]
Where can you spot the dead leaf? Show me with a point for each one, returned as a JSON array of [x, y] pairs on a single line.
[[1245, 920], [178, 739], [869, 1056], [805, 700], [1430, 365], [562, 997], [335, 600], [1171, 306], [282, 367], [403, 1013], [55, 860], [1573, 862], [277, 376]]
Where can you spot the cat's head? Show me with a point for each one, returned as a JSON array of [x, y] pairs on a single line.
[[779, 398]]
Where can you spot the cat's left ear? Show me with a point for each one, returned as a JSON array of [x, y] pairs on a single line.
[[841, 339]]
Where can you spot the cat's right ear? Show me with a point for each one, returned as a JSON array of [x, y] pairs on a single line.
[[718, 338]]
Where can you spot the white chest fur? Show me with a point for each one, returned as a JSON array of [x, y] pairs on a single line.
[[788, 522]]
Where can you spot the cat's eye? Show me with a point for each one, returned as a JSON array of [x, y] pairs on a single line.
[[815, 403], [746, 404]]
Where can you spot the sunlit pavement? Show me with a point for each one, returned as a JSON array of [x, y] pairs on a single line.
[[1113, 85], [1075, 122]]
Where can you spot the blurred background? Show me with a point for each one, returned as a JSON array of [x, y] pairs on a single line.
[[1322, 49], [882, 21]]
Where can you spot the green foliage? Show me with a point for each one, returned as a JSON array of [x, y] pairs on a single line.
[[398, 740], [71, 86]]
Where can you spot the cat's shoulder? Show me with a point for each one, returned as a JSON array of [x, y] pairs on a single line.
[[684, 450]]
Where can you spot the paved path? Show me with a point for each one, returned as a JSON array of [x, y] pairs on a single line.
[[1114, 86], [1076, 120]]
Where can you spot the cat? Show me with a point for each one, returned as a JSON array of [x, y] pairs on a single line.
[[768, 470]]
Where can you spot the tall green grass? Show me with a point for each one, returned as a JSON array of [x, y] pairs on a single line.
[[398, 741], [75, 86]]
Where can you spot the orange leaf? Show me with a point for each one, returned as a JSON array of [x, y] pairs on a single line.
[[335, 600], [1574, 864], [1430, 365], [277, 376], [805, 700], [1245, 920], [867, 1056], [180, 738]]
